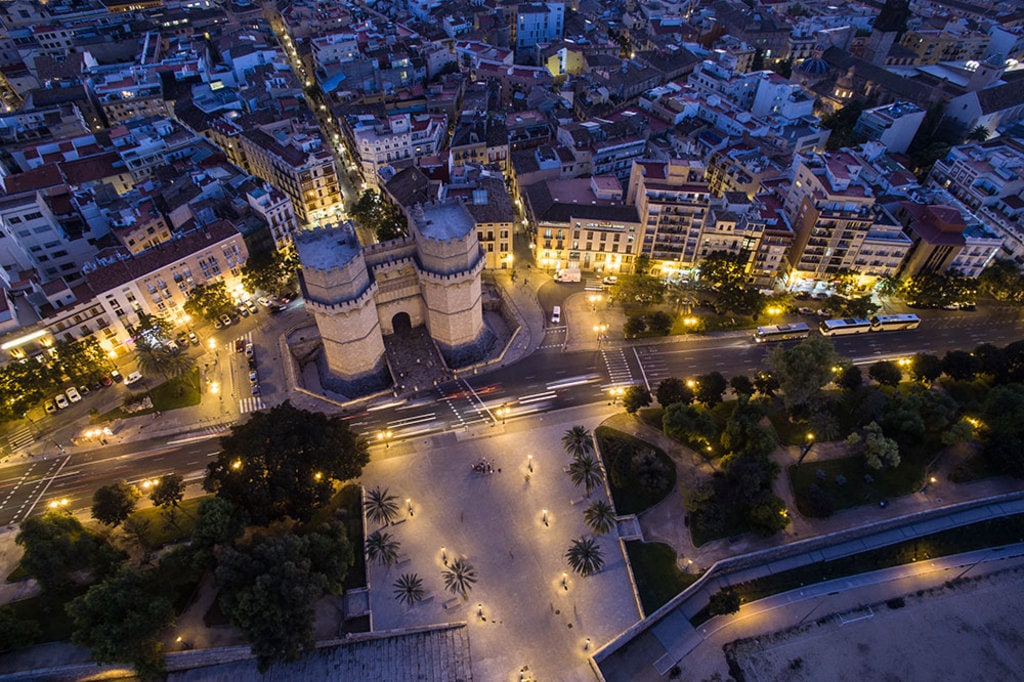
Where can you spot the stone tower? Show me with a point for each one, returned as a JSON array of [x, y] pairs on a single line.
[[340, 293], [890, 24], [450, 261]]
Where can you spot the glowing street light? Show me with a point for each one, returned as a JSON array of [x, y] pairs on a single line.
[[385, 437], [616, 393]]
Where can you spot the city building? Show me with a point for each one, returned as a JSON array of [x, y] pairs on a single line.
[[397, 140], [125, 93], [536, 23], [292, 157], [944, 242], [894, 125]]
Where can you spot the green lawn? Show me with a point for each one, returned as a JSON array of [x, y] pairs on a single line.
[[617, 450], [658, 579], [862, 485], [180, 392], [991, 533], [161, 531]]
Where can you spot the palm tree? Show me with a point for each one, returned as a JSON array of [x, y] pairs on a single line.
[[459, 577], [586, 471], [409, 588], [381, 506], [599, 517], [158, 359], [585, 556], [577, 441], [382, 548]]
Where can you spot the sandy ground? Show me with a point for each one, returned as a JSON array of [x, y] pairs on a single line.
[[969, 632]]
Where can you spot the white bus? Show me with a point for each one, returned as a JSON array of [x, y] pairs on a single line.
[[850, 325], [782, 332], [885, 323]]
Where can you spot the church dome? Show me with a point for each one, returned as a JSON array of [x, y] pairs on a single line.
[[813, 66]]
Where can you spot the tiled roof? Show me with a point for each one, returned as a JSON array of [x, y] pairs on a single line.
[[1000, 97]]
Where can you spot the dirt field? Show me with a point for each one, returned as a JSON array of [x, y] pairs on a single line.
[[969, 632]]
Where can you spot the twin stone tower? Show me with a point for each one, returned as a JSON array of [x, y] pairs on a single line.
[[358, 295]]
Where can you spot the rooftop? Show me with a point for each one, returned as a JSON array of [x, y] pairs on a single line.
[[327, 248]]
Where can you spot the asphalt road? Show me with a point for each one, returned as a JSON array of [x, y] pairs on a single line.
[[549, 380]]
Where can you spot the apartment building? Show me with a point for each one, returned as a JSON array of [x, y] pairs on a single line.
[[894, 125], [275, 208], [485, 196], [583, 224], [396, 139], [944, 241], [833, 214], [541, 22], [125, 93], [292, 157]]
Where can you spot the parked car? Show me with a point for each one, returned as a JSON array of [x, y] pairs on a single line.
[[264, 301], [116, 376], [252, 363], [255, 389], [217, 324], [133, 378], [239, 345], [225, 319], [610, 280], [61, 400], [251, 306], [50, 406], [254, 377], [804, 310], [243, 311], [73, 394], [173, 345], [182, 339], [249, 350], [84, 390], [193, 338]]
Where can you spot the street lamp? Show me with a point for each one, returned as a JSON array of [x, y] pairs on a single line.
[[529, 463], [809, 443], [444, 556], [385, 437], [616, 393], [600, 330], [594, 300], [60, 504], [544, 517], [503, 412], [408, 505]]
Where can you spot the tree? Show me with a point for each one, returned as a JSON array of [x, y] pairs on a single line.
[[168, 493], [639, 288], [766, 383], [155, 357], [585, 556], [16, 633], [744, 435], [960, 365], [634, 326], [218, 522], [284, 462], [382, 548], [991, 361], [803, 370], [886, 372], [599, 517], [659, 323], [82, 360], [710, 388], [114, 503], [878, 450], [121, 619], [926, 367], [268, 590], [841, 124], [1002, 430], [741, 385], [380, 505], [634, 398], [768, 515], [726, 273], [648, 470], [978, 134], [961, 431], [273, 272], [409, 589], [1003, 281], [672, 390], [209, 301], [61, 554], [373, 212], [459, 577], [585, 470], [689, 423], [858, 306], [850, 379], [577, 441], [724, 602]]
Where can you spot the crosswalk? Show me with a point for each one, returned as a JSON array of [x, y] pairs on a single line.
[[255, 404], [618, 366], [655, 365], [230, 345], [20, 438]]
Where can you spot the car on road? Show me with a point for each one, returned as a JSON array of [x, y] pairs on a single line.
[[133, 378], [116, 376], [556, 314], [193, 338], [264, 301], [225, 319], [73, 394], [61, 400], [610, 280], [50, 407], [804, 310]]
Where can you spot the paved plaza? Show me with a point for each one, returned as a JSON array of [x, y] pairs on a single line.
[[519, 614]]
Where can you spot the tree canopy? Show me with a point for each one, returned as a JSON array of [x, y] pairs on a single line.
[[283, 463], [209, 301], [121, 619], [113, 504], [61, 554], [386, 220], [274, 272], [803, 370]]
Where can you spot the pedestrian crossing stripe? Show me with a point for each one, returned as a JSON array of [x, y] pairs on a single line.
[[20, 438], [246, 405]]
